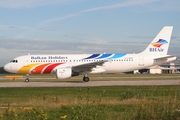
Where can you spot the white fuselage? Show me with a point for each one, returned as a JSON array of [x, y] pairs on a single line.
[[47, 64]]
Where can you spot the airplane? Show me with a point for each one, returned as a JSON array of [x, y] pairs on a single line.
[[68, 65]]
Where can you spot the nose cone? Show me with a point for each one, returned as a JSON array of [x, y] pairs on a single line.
[[7, 68]]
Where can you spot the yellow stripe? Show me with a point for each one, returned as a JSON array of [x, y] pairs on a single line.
[[25, 69]]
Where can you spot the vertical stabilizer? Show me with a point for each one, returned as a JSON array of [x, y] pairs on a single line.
[[159, 46]]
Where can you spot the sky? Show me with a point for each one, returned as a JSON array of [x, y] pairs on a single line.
[[84, 26]]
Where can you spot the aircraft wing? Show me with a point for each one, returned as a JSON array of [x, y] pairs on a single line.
[[88, 66]]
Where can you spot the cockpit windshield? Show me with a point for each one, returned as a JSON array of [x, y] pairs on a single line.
[[14, 61]]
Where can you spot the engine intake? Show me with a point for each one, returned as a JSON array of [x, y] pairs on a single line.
[[63, 73]]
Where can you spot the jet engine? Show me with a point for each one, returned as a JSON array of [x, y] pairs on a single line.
[[65, 73]]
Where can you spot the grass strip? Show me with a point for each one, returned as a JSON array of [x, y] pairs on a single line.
[[91, 103]]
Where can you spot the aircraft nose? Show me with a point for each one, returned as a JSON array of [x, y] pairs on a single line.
[[7, 68]]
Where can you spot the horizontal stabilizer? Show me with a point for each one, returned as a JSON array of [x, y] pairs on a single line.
[[165, 57], [168, 58]]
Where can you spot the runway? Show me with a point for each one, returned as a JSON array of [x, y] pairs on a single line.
[[91, 83]]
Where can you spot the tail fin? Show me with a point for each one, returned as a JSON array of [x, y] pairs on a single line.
[[159, 46]]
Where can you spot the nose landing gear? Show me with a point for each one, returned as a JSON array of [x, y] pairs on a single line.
[[27, 78]]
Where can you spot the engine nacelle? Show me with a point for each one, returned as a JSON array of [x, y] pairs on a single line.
[[63, 73]]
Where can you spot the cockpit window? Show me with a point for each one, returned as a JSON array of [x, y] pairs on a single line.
[[14, 61]]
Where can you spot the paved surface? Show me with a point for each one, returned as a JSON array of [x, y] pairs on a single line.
[[90, 83]]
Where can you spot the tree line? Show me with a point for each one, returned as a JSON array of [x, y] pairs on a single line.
[[2, 71]]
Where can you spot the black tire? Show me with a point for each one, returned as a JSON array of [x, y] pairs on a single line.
[[86, 79], [26, 80]]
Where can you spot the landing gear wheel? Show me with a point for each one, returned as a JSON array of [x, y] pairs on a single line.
[[85, 79], [26, 80]]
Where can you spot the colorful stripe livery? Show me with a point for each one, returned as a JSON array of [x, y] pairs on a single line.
[[159, 43], [38, 68], [105, 56], [26, 69], [50, 68]]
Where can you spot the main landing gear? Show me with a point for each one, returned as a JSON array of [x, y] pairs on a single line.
[[27, 78], [85, 79]]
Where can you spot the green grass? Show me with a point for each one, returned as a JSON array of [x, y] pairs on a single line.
[[91, 103]]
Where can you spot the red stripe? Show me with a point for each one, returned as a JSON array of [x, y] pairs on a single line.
[[38, 69], [50, 68]]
